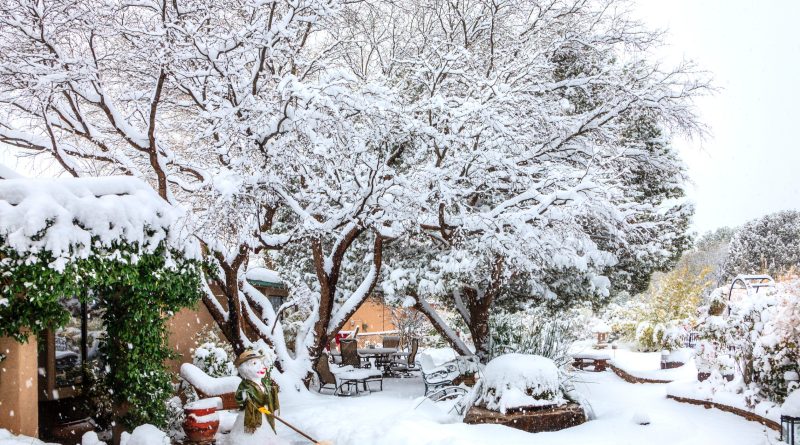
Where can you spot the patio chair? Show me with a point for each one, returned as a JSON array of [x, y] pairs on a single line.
[[407, 364], [436, 377], [328, 380], [391, 341], [349, 348]]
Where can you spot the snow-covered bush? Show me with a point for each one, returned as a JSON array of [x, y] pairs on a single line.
[[513, 381], [657, 337], [535, 332], [215, 359], [763, 338]]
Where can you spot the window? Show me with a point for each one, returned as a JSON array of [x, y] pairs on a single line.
[[276, 301]]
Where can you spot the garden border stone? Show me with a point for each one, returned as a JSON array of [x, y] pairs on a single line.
[[707, 404]]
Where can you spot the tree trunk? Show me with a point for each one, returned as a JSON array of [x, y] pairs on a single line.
[[441, 327], [329, 279], [479, 304]]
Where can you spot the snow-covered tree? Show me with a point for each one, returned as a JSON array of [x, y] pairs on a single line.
[[770, 244], [229, 109], [541, 124], [711, 249]]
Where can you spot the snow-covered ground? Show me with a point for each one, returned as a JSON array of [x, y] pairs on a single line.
[[389, 418], [647, 365]]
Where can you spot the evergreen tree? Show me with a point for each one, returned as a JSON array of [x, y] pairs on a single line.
[[770, 244]]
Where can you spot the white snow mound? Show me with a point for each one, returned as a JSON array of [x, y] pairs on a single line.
[[147, 435], [791, 406]]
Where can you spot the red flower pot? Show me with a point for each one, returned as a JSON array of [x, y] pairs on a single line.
[[201, 424]]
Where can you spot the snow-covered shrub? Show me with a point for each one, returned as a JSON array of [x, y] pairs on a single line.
[[175, 418], [659, 336], [215, 359], [763, 338], [534, 332], [514, 381]]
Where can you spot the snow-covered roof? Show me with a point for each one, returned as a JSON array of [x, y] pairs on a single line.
[[73, 217], [262, 275]]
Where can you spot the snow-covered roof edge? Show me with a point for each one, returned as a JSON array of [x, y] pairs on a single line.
[[263, 276], [72, 217]]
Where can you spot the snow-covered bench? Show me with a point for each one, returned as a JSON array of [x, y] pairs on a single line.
[[596, 358], [207, 386], [439, 368]]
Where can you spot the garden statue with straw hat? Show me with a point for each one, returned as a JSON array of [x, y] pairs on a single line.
[[257, 397]]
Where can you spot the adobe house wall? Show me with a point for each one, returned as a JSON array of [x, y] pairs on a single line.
[[19, 401], [377, 317], [184, 329]]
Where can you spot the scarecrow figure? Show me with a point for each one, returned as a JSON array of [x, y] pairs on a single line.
[[257, 397]]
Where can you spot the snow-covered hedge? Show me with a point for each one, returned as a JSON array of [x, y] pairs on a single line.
[[761, 332], [111, 240], [514, 381]]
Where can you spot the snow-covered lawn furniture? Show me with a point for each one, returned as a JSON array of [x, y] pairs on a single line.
[[391, 341], [407, 364], [349, 349], [439, 368], [455, 395], [595, 359], [343, 377], [524, 392], [208, 387]]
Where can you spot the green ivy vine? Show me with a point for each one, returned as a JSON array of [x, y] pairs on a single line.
[[139, 292]]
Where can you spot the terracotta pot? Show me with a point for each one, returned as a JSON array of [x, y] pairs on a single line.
[[198, 429], [728, 377], [701, 376]]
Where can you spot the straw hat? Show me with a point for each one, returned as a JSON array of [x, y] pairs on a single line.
[[247, 355]]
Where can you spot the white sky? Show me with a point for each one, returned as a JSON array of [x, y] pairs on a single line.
[[749, 164]]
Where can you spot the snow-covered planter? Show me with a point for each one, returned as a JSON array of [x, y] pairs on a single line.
[[524, 392], [516, 381], [202, 420]]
